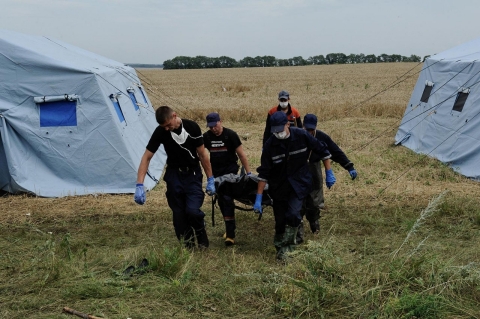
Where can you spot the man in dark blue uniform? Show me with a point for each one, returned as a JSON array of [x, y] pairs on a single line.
[[225, 149], [314, 201], [183, 143], [284, 165]]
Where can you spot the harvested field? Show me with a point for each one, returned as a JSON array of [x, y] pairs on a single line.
[[401, 241]]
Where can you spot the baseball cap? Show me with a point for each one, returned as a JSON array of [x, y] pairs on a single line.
[[212, 119], [310, 121], [278, 121], [283, 95]]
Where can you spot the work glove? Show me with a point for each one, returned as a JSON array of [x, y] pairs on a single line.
[[329, 178], [140, 196], [210, 190], [257, 207], [353, 173]]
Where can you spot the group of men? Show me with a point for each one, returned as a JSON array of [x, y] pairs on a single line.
[[290, 163]]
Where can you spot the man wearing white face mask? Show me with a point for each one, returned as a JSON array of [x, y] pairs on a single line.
[[183, 143], [293, 116], [284, 165]]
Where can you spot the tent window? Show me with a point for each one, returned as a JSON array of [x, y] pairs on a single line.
[[131, 93], [117, 107], [143, 94], [426, 91], [58, 113], [460, 100]]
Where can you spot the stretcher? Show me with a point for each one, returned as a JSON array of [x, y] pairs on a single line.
[[243, 189]]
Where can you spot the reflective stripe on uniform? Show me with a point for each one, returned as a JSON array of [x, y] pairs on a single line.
[[278, 156], [298, 151]]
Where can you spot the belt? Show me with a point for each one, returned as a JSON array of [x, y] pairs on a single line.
[[184, 169]]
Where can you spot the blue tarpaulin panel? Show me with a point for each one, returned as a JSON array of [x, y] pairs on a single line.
[[119, 111], [59, 113], [134, 100]]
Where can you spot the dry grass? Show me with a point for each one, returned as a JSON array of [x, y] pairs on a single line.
[[244, 95], [346, 271]]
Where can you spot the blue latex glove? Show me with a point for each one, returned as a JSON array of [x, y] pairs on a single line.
[[329, 178], [257, 207], [353, 174], [210, 190], [140, 196]]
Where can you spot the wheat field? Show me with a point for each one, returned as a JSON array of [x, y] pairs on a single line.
[[401, 241]]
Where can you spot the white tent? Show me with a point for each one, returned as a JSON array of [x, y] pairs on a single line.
[[71, 122], [442, 118]]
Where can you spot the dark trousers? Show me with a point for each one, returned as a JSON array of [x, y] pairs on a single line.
[[286, 208], [315, 200], [226, 202], [227, 207], [185, 198]]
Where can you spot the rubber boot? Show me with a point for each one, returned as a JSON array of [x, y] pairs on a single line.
[[202, 238], [300, 233], [286, 243], [315, 226], [189, 239], [278, 242]]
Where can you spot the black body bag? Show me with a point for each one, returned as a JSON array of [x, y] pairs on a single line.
[[242, 188]]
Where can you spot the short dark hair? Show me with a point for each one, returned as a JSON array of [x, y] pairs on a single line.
[[163, 114]]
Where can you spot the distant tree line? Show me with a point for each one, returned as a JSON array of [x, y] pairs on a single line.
[[144, 65], [203, 62]]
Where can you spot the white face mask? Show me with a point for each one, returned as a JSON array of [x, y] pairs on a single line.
[[182, 138], [281, 135], [283, 105]]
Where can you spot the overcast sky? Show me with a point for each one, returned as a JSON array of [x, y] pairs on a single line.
[[152, 31]]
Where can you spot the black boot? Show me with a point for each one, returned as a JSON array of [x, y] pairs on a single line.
[[315, 226], [300, 233], [202, 238], [230, 232], [189, 239]]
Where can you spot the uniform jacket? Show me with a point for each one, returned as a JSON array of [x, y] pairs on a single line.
[[293, 116], [287, 161], [338, 155]]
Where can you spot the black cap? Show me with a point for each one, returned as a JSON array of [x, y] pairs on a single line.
[[278, 121], [212, 119], [283, 95], [310, 121]]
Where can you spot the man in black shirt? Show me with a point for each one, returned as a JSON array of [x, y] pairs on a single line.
[[183, 143], [225, 149]]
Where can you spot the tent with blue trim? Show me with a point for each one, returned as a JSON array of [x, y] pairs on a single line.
[[71, 122], [442, 117]]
